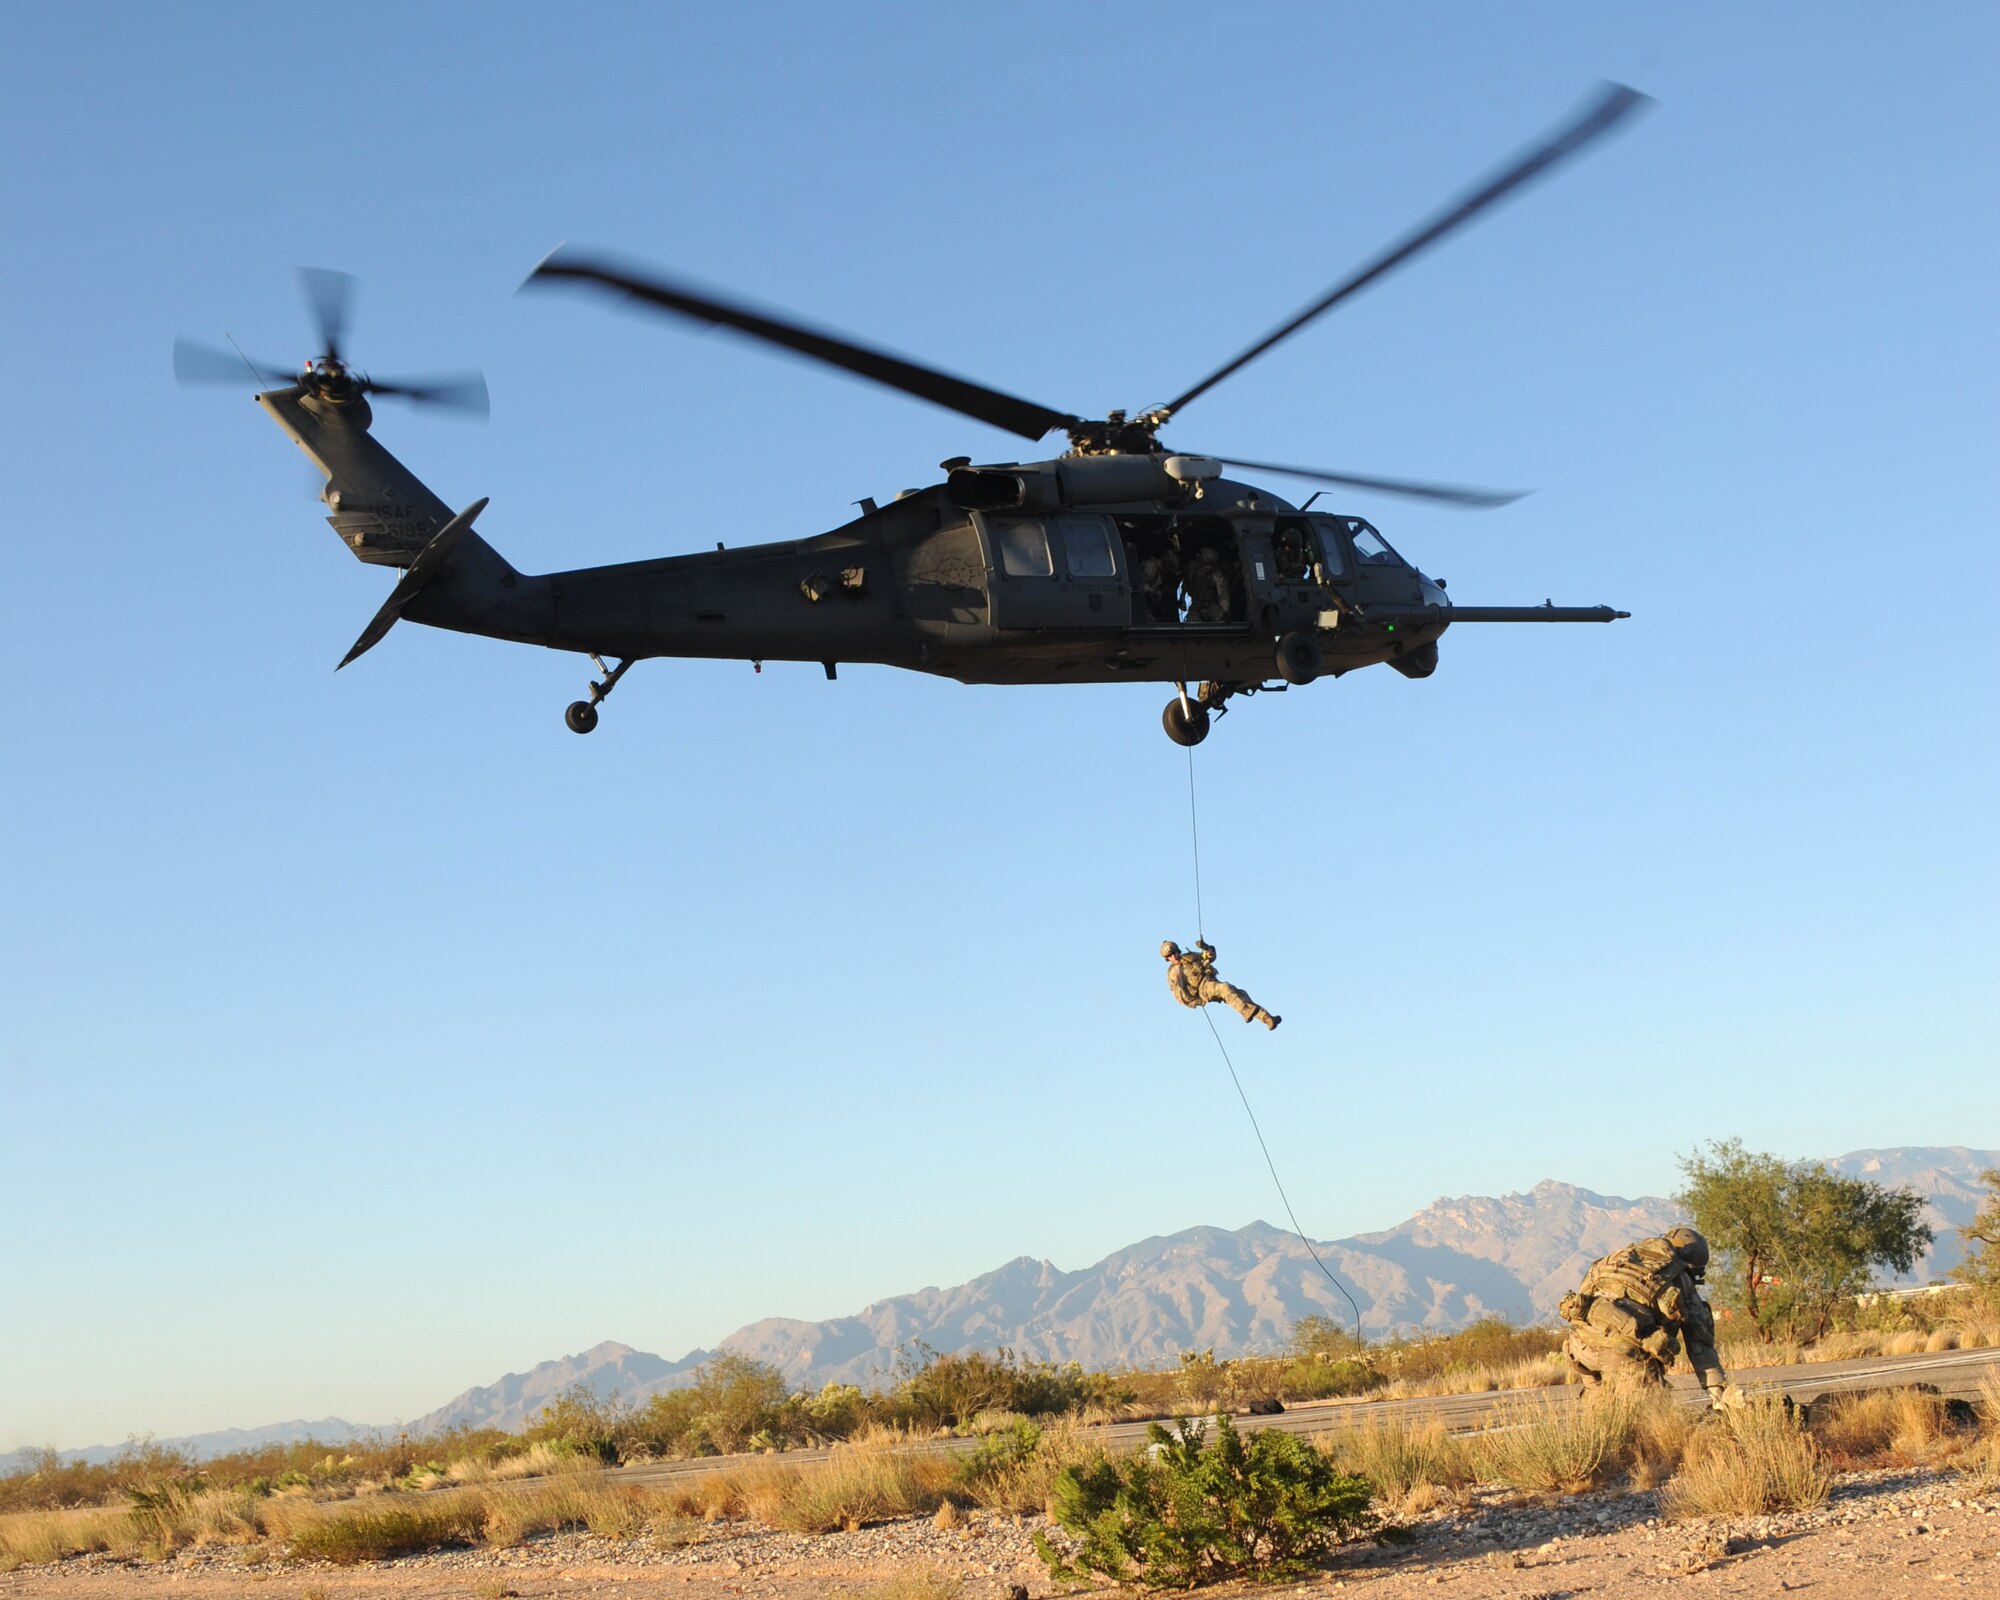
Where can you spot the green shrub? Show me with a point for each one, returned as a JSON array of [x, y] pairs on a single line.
[[579, 1418], [1322, 1336], [1000, 1453], [938, 1391], [1196, 1510], [1321, 1378]]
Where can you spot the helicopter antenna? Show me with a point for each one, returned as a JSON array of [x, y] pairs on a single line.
[[256, 377]]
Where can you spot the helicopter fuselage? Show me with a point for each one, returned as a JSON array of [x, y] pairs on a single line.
[[1084, 569]]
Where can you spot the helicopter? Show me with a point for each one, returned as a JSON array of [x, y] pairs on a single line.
[[1119, 560]]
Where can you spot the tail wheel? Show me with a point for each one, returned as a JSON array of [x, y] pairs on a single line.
[[1300, 659], [581, 716], [1187, 726]]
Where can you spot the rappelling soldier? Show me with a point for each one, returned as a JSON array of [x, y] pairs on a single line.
[[1637, 1309], [1191, 976]]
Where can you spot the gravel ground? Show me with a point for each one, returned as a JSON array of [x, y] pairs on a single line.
[[1883, 1535]]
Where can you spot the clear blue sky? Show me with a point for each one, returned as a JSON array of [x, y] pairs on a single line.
[[364, 1037]]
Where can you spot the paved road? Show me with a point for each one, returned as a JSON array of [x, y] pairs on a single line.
[[1952, 1372]]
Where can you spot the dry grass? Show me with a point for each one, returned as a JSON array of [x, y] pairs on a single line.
[[872, 1478], [1548, 1446], [539, 1460], [36, 1537], [1905, 1425], [340, 1531], [1409, 1468], [1025, 1485], [377, 1533], [1750, 1461]]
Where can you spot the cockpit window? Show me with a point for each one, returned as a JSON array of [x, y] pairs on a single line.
[[1087, 547], [1023, 548], [1370, 548]]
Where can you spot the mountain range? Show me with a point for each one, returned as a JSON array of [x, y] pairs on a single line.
[[1237, 1291]]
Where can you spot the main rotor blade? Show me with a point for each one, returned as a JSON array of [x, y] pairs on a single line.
[[1610, 107], [329, 294], [465, 392], [1023, 417], [204, 363], [1449, 494]]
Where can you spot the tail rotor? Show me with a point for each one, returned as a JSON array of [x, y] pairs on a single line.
[[327, 376]]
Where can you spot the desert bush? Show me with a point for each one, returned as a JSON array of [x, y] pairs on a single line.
[[940, 1391], [36, 1537], [1322, 1336], [1400, 1459], [1661, 1430], [1196, 1509], [1547, 1445], [880, 1474], [578, 1419], [353, 1533], [732, 1401], [1856, 1429], [1015, 1469], [1749, 1461], [1475, 1352]]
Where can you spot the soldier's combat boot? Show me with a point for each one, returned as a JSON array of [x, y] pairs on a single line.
[[1265, 1017]]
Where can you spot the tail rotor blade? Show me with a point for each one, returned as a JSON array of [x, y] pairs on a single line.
[[329, 294], [463, 392], [195, 362]]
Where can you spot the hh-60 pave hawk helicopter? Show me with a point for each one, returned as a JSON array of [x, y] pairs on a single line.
[[1118, 560]]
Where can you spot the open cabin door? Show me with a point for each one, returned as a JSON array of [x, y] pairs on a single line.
[[1064, 571]]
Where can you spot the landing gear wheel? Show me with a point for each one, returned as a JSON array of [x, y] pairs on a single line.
[[581, 716], [1187, 727], [1300, 659]]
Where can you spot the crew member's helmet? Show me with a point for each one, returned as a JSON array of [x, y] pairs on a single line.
[[1169, 949], [1690, 1246]]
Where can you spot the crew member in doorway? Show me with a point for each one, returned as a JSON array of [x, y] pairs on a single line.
[[1207, 587], [1191, 976]]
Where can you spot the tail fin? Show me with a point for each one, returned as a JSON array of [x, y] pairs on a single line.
[[387, 516], [382, 510], [429, 563]]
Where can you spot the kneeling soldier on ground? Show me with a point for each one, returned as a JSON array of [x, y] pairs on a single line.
[[1638, 1308], [1191, 976]]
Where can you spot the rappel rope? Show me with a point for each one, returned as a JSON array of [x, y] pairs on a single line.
[[1201, 932]]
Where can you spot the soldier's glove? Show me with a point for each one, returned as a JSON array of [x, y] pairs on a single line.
[[1659, 1344]]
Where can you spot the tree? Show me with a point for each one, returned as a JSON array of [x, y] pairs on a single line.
[[1322, 1336], [1791, 1240], [1981, 1266]]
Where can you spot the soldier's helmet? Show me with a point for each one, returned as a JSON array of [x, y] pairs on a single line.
[[1169, 949], [1690, 1246]]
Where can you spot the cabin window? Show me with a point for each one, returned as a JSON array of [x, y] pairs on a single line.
[[1087, 547], [1023, 549]]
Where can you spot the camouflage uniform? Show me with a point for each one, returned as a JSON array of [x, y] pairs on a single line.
[[1191, 977], [1638, 1308], [1160, 581], [1207, 586]]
